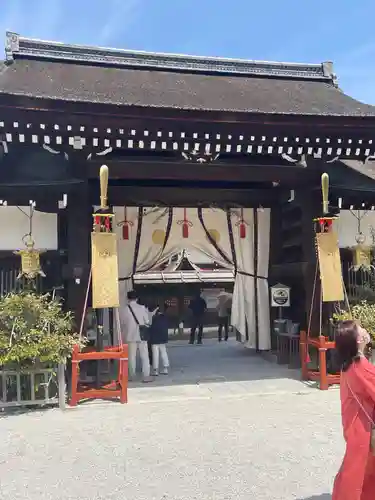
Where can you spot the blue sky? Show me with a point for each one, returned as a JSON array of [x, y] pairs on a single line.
[[288, 30]]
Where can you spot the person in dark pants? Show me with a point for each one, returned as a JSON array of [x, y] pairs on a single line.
[[198, 307], [159, 340], [149, 347], [152, 308]]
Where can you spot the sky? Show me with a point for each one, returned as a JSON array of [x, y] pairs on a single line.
[[309, 31]]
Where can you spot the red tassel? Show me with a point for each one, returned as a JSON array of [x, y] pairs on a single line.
[[125, 231], [107, 224], [125, 226], [242, 226], [308, 359], [185, 226], [97, 221]]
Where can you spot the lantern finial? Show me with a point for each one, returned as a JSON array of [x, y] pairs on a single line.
[[325, 187], [103, 186]]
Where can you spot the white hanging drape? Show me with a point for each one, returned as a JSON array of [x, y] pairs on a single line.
[[144, 247], [243, 304], [264, 227], [214, 233]]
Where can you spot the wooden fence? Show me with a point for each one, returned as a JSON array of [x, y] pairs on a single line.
[[28, 388], [9, 281]]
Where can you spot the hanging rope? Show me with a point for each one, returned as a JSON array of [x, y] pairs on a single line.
[[313, 298], [29, 216], [85, 305]]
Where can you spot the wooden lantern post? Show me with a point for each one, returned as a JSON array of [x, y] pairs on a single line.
[[329, 273], [105, 295]]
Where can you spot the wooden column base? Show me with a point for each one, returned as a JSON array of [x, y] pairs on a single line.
[[116, 389], [323, 345]]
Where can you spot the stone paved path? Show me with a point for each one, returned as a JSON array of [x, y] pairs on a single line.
[[213, 433]]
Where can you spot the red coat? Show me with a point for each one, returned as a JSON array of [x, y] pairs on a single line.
[[356, 477]]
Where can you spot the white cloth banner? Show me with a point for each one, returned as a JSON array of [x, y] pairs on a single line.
[[264, 226], [162, 235]]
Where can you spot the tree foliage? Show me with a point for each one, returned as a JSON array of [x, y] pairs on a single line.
[[34, 329], [363, 312]]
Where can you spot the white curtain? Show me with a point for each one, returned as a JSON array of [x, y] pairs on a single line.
[[216, 224], [207, 232], [243, 304], [264, 225], [143, 248]]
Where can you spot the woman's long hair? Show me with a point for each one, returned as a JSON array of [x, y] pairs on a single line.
[[347, 343]]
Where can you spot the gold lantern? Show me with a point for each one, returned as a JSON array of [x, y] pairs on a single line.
[[30, 261], [362, 254]]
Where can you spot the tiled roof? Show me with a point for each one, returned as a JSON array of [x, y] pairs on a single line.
[[87, 74]]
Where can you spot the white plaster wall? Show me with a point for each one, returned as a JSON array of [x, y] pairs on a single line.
[[347, 227], [14, 225]]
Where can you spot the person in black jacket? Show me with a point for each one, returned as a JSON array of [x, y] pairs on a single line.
[[198, 307], [159, 340]]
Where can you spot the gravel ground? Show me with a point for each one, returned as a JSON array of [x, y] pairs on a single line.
[[244, 438]]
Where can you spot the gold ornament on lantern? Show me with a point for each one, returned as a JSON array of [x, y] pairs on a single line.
[[325, 188], [104, 261], [362, 253], [30, 261]]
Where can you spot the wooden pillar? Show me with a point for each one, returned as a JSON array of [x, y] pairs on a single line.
[[79, 225], [310, 203], [274, 259]]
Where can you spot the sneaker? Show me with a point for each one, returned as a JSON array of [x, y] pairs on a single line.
[[155, 373], [164, 372]]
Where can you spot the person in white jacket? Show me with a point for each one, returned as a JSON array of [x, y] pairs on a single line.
[[131, 335]]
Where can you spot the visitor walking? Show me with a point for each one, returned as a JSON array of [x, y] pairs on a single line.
[[135, 317], [198, 307], [356, 478], [223, 310], [159, 340]]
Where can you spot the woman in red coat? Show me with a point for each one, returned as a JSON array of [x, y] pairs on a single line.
[[356, 477]]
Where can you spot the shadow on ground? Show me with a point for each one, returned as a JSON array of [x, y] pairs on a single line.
[[216, 362], [209, 370], [325, 496]]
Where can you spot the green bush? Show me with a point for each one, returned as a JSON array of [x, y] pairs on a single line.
[[34, 329], [364, 313]]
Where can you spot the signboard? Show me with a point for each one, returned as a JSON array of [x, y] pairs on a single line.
[[280, 296]]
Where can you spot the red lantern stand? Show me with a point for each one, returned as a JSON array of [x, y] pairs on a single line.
[[118, 388], [321, 343]]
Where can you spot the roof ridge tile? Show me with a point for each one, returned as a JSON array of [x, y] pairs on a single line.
[[17, 46]]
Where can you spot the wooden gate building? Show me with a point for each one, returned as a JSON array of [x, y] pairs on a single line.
[[177, 130]]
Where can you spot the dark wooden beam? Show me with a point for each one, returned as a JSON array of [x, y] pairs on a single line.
[[310, 203], [46, 196], [78, 229], [179, 196], [136, 170]]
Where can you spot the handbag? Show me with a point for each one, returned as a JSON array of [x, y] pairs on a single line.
[[372, 434], [144, 330]]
